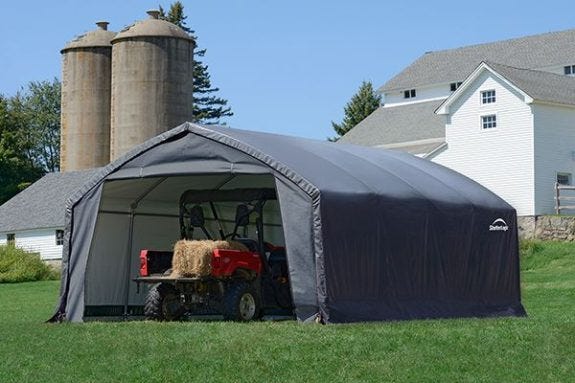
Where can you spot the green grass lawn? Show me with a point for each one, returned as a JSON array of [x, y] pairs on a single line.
[[539, 348]]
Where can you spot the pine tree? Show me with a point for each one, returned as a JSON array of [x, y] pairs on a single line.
[[208, 108], [361, 105]]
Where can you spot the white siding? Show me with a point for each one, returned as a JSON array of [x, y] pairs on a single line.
[[554, 151], [41, 241], [422, 94], [500, 159]]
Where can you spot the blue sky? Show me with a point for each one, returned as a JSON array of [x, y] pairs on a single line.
[[287, 67]]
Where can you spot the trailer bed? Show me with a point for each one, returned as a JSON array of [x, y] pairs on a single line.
[[168, 278]]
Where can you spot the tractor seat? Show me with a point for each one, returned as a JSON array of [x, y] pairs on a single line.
[[277, 254], [251, 244]]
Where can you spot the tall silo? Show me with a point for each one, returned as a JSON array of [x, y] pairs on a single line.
[[85, 116], [152, 63]]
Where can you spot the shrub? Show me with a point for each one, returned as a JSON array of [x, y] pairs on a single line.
[[17, 265]]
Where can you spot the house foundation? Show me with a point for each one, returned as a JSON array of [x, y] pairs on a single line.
[[547, 227]]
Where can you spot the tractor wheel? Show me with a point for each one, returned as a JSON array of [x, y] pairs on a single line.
[[241, 303], [163, 303]]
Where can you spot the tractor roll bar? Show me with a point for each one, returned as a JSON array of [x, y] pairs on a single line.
[[232, 195]]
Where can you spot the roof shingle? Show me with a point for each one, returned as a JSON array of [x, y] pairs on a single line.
[[42, 204], [532, 52], [539, 85], [390, 125]]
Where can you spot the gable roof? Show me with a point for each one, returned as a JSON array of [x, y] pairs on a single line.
[[42, 204], [535, 85], [539, 85], [398, 124], [533, 52]]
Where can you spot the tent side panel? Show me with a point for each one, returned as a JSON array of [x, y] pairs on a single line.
[[84, 216], [155, 233], [106, 268], [408, 259], [107, 285], [296, 211]]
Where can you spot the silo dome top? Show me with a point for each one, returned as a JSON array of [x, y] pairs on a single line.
[[152, 27], [100, 37]]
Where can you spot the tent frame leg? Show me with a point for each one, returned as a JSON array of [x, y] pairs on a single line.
[[133, 208]]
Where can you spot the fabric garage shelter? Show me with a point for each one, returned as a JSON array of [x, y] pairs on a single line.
[[370, 234]]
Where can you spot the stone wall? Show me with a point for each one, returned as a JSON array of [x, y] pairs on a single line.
[[547, 227]]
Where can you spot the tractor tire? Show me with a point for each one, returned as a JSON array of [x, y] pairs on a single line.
[[241, 303], [163, 303]]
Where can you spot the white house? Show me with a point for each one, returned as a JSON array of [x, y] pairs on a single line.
[[501, 113], [512, 130], [34, 219]]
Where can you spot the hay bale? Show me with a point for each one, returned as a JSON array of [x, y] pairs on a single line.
[[194, 258]]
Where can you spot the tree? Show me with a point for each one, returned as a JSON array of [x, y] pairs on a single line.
[[17, 171], [29, 136], [361, 105], [42, 117], [208, 108]]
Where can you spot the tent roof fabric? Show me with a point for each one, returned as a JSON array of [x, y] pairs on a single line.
[[341, 167], [368, 232], [42, 204]]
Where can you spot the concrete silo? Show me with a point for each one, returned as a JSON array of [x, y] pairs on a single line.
[[152, 63], [85, 116]]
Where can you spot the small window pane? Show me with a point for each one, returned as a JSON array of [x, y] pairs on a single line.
[[489, 122], [568, 69], [59, 237], [488, 97], [564, 178], [409, 93], [454, 85]]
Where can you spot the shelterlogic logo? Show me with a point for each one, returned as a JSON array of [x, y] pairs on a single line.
[[498, 225]]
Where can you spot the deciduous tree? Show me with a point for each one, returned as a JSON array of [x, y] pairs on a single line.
[[17, 171], [41, 107]]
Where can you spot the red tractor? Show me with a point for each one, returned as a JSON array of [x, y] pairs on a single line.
[[241, 285]]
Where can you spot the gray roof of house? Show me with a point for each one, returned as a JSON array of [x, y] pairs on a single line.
[[533, 52], [42, 204], [417, 148], [541, 86], [398, 124]]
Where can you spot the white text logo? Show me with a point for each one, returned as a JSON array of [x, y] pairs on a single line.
[[498, 225]]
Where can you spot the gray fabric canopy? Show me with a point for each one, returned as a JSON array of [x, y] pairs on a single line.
[[370, 234]]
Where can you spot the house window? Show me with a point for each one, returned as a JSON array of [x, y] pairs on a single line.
[[454, 85], [564, 178], [11, 239], [569, 70], [59, 237], [409, 93], [489, 122], [488, 97]]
